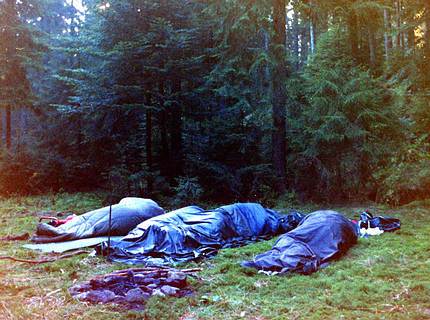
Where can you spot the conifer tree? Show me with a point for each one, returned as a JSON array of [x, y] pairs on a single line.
[[279, 77], [17, 46]]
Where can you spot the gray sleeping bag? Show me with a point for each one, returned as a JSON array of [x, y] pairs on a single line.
[[126, 215]]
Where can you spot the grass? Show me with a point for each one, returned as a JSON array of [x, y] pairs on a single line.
[[384, 277]]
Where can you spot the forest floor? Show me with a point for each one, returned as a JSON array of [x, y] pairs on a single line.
[[384, 277]]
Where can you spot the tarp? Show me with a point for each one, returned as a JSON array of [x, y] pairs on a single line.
[[321, 237], [126, 215], [190, 233]]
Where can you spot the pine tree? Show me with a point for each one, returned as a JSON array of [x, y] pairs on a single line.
[[17, 49], [279, 76], [348, 113]]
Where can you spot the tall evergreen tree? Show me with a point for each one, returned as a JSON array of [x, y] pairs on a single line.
[[279, 76], [17, 49]]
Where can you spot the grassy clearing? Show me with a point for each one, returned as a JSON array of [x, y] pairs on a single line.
[[385, 277]]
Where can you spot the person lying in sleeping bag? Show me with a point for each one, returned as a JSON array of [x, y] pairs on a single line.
[[320, 237], [126, 215], [191, 232]]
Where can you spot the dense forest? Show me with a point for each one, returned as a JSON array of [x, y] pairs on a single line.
[[216, 100]]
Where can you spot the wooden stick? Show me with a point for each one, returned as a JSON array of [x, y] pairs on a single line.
[[24, 236], [191, 270]]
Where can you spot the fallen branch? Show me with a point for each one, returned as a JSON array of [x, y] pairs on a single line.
[[46, 259], [53, 292], [19, 237], [191, 270]]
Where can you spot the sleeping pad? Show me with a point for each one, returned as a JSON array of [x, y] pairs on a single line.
[[126, 215], [191, 232], [320, 237]]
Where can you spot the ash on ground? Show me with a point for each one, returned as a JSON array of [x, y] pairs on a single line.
[[132, 287]]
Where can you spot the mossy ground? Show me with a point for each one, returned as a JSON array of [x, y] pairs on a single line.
[[384, 277]]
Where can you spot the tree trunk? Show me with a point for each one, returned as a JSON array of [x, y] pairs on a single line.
[[164, 153], [353, 36], [304, 45], [411, 39], [80, 135], [176, 132], [279, 77], [312, 28], [264, 73], [312, 37], [398, 19], [8, 128], [400, 24], [148, 138], [372, 49], [18, 129], [148, 144], [10, 39], [427, 43], [296, 39], [388, 41], [266, 66], [427, 33], [1, 128]]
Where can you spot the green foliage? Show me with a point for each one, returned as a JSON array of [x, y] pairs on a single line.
[[17, 48], [188, 191], [406, 176], [339, 133], [153, 91]]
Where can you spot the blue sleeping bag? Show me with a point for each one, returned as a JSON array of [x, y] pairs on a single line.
[[321, 237], [191, 232]]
